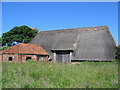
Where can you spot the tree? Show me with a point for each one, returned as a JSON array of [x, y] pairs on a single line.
[[0, 41], [118, 53], [3, 48], [18, 34]]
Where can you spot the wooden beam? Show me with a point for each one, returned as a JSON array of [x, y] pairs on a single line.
[[70, 56], [54, 56]]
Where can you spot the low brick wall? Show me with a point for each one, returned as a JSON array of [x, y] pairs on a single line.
[[22, 58]]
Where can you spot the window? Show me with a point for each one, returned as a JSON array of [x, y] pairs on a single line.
[[28, 58], [10, 59]]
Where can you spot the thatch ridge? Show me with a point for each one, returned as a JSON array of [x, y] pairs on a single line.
[[82, 29]]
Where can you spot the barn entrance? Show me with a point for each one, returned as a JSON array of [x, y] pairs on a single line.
[[62, 56]]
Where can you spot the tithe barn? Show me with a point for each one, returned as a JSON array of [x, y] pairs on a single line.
[[77, 44]]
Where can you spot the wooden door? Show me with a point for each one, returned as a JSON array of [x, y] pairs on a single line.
[[63, 57], [59, 58]]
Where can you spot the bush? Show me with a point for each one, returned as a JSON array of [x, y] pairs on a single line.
[[118, 53], [30, 61]]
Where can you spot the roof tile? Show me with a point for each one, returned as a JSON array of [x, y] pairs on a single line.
[[23, 48]]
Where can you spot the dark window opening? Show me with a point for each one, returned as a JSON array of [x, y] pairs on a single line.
[[50, 59], [10, 58], [28, 58]]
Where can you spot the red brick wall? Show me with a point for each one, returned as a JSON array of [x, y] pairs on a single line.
[[43, 59], [5, 57], [22, 58], [0, 58], [33, 57]]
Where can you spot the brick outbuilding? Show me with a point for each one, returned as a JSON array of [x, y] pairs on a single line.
[[23, 52]]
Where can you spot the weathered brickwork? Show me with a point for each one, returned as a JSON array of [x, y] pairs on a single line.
[[6, 57], [22, 58]]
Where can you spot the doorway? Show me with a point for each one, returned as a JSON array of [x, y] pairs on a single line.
[[63, 56]]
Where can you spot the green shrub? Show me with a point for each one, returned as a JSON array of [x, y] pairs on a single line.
[[3, 48], [31, 61], [118, 53]]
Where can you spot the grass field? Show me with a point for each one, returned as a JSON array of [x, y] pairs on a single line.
[[54, 75]]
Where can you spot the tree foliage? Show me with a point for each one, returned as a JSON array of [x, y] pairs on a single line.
[[18, 34], [118, 53], [3, 48], [0, 41]]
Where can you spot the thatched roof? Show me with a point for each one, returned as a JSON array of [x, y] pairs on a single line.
[[91, 43]]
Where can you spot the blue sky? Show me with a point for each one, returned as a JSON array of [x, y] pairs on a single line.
[[60, 15]]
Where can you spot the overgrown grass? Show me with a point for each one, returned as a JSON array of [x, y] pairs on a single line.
[[54, 75]]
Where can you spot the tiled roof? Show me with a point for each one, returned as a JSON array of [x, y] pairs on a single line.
[[23, 48]]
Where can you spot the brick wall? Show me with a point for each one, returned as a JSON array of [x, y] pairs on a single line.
[[33, 57], [43, 59], [5, 57], [22, 58], [0, 58]]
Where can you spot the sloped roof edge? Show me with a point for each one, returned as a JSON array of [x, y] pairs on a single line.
[[23, 48], [82, 28]]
